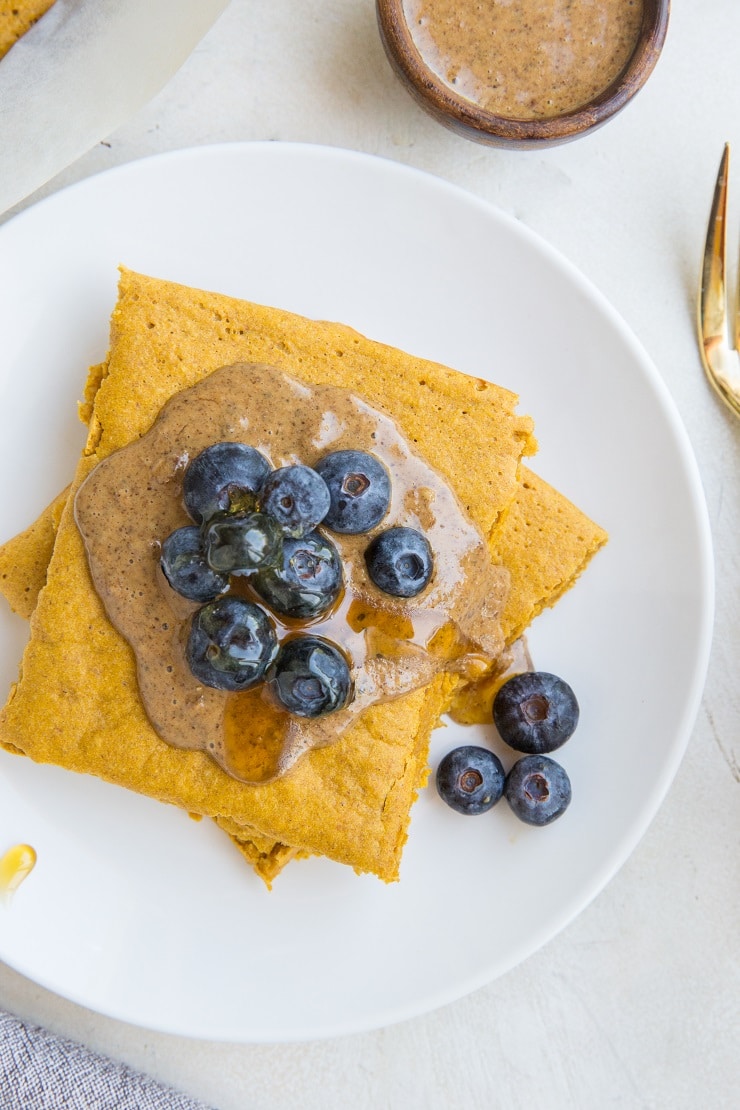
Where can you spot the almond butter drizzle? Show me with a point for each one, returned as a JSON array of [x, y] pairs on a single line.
[[133, 499]]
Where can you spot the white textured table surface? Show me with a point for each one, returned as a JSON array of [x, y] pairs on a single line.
[[636, 1003]]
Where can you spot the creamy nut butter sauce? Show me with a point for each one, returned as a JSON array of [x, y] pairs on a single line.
[[526, 59], [132, 501]]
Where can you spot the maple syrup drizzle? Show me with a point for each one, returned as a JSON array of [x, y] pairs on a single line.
[[15, 867]]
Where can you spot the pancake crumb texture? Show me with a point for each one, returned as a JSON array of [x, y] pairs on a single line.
[[17, 17]]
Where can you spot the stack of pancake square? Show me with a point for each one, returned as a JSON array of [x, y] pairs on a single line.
[[76, 703]]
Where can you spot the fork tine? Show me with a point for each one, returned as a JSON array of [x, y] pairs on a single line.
[[721, 362], [712, 320], [736, 329]]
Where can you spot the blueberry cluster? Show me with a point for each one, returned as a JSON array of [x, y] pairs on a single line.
[[260, 524], [535, 712]]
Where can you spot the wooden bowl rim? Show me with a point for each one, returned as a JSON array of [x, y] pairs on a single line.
[[444, 102]]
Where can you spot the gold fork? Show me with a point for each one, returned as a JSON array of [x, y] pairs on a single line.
[[721, 361]]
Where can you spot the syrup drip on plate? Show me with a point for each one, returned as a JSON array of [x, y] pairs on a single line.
[[15, 866]]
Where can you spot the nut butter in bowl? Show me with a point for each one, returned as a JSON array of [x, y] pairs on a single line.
[[523, 73]]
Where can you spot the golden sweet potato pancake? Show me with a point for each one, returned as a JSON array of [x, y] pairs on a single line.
[[349, 801], [546, 542], [17, 17], [24, 559]]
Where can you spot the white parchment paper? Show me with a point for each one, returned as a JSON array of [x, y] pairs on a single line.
[[80, 72]]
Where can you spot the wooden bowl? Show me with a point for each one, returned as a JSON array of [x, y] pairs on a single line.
[[472, 121]]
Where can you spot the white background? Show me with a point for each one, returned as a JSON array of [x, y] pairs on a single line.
[[636, 1003]]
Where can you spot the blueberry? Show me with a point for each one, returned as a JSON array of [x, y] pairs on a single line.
[[225, 477], [184, 565], [297, 497], [399, 562], [231, 644], [307, 580], [470, 779], [311, 677], [241, 543], [360, 490], [537, 789], [535, 712]]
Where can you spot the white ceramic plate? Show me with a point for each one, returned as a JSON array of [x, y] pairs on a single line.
[[140, 913]]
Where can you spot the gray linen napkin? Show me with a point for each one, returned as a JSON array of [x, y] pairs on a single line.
[[39, 1071]]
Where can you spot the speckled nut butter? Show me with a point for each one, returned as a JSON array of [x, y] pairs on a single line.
[[526, 59], [132, 501]]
